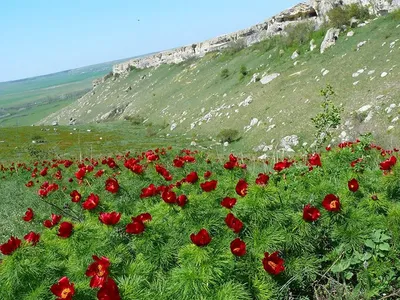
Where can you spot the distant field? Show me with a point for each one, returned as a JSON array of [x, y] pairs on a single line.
[[24, 102]]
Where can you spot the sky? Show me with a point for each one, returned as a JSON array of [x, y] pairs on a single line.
[[40, 37]]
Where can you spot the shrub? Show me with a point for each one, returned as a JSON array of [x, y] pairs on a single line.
[[341, 15], [135, 119], [224, 73], [228, 135], [243, 70], [395, 15], [299, 34]]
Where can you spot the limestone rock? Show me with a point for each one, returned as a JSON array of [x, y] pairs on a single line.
[[268, 78], [330, 39]]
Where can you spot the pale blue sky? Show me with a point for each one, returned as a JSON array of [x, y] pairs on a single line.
[[46, 36]]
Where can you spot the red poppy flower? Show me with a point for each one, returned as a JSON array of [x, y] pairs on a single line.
[[229, 203], [310, 213], [178, 163], [98, 271], [207, 174], [273, 264], [11, 245], [238, 247], [32, 237], [28, 215], [109, 291], [262, 179], [136, 227], [181, 200], [29, 184], [65, 230], [75, 196], [112, 185], [315, 160], [168, 197], [191, 178], [64, 290], [353, 185], [91, 202], [54, 221], [202, 238], [99, 173], [331, 203], [241, 187], [109, 218], [209, 186], [234, 223]]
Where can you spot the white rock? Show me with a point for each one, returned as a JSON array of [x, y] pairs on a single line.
[[246, 102], [379, 97], [364, 108], [371, 72], [384, 74], [369, 117], [253, 122], [360, 44], [288, 141], [295, 55], [268, 78], [390, 128], [193, 143], [226, 144], [325, 73], [330, 39], [173, 126], [395, 120], [350, 33], [267, 148], [355, 83], [263, 157]]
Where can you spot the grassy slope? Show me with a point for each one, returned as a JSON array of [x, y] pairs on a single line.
[[177, 93]]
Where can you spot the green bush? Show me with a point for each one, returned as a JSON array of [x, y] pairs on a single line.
[[395, 15], [341, 15], [135, 119], [228, 135], [299, 34], [243, 70], [224, 73]]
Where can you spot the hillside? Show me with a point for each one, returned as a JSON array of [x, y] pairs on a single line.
[[193, 98]]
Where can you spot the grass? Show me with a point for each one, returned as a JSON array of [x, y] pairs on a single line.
[[351, 253], [185, 93]]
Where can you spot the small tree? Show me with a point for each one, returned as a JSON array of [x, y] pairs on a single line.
[[224, 73], [327, 120]]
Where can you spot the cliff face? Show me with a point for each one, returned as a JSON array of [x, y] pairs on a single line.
[[314, 11], [249, 36]]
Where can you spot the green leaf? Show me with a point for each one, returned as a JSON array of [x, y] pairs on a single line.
[[366, 256], [348, 275], [370, 244], [384, 247], [385, 237]]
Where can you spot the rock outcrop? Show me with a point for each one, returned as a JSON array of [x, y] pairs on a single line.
[[249, 36], [330, 39], [314, 11]]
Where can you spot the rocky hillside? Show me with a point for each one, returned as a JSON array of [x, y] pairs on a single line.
[[269, 91]]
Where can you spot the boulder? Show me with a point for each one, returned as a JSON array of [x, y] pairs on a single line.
[[295, 55], [330, 39], [268, 78], [312, 45]]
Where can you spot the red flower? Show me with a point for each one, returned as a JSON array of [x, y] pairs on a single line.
[[168, 197], [207, 174], [331, 203], [112, 185], [262, 179], [178, 163], [209, 186], [98, 271], [28, 215], [150, 191], [238, 247], [99, 173], [202, 238], [11, 245], [142, 217], [281, 165], [234, 223], [54, 221], [109, 218], [81, 173], [32, 238], [191, 177], [65, 230], [353, 185], [228, 202], [310, 213], [109, 291], [273, 264], [64, 290], [388, 164], [91, 202], [181, 200], [136, 227], [44, 171], [241, 187], [29, 184], [315, 160], [75, 196]]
